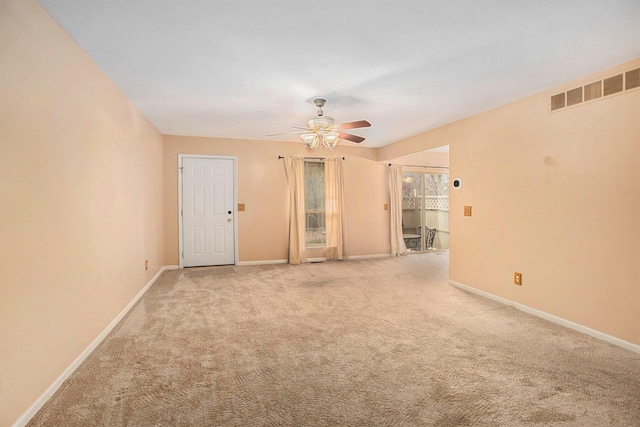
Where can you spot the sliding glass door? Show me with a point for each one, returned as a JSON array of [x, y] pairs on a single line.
[[425, 210]]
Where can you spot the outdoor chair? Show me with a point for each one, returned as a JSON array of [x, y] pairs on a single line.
[[429, 235]]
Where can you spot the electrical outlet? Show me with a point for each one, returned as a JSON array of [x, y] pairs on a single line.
[[241, 207], [386, 207], [517, 279], [146, 264], [467, 211]]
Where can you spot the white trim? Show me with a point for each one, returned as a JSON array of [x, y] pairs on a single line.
[[275, 261], [480, 292], [552, 318], [40, 401], [235, 202], [428, 170], [311, 260], [368, 256]]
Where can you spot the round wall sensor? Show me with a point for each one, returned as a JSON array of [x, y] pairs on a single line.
[[457, 183]]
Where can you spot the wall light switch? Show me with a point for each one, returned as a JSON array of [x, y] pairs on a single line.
[[386, 207], [240, 207], [467, 211]]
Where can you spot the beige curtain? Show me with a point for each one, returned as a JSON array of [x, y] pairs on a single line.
[[294, 167], [395, 190], [336, 217]]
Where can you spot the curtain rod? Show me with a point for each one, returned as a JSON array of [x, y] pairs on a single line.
[[309, 157], [423, 166]]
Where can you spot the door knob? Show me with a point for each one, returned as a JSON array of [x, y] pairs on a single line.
[[229, 220]]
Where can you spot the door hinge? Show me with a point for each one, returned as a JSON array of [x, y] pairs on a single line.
[[182, 254], [181, 212], [181, 168]]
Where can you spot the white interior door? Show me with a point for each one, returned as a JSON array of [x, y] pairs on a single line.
[[208, 236]]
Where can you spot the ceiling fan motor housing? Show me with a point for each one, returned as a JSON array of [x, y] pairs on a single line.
[[320, 122], [320, 103]]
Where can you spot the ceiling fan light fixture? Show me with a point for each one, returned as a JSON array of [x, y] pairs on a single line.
[[310, 140], [330, 140]]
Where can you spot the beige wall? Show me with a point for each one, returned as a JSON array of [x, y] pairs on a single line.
[[80, 203], [425, 158], [555, 196], [262, 187], [414, 146], [89, 191]]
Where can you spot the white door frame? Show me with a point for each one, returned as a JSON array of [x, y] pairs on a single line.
[[235, 202]]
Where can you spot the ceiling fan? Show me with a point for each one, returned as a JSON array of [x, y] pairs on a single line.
[[323, 130]]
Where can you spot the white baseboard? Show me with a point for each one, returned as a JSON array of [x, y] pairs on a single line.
[[352, 257], [35, 406], [311, 260], [552, 318], [274, 261]]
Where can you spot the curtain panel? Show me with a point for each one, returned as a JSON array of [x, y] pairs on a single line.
[[398, 246], [294, 166], [335, 209]]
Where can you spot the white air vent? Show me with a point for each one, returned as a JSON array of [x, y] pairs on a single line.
[[595, 90]]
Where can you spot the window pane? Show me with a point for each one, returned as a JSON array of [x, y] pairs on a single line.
[[316, 228], [437, 184], [425, 211], [314, 185], [436, 211], [411, 210], [314, 200]]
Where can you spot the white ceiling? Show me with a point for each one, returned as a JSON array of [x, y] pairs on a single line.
[[248, 68]]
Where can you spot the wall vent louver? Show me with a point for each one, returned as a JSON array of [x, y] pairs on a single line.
[[601, 88], [593, 91], [632, 79], [574, 96], [613, 85], [557, 101]]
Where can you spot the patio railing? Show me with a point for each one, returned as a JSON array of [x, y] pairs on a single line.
[[316, 236], [435, 203]]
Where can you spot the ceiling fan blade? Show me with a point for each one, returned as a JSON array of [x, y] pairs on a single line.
[[354, 125], [301, 127], [349, 137], [286, 133]]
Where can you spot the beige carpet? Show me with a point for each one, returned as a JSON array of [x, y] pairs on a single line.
[[384, 342]]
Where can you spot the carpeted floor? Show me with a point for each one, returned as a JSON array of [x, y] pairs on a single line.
[[382, 342]]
